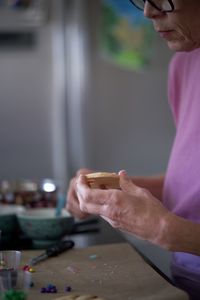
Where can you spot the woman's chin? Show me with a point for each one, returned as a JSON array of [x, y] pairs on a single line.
[[181, 46]]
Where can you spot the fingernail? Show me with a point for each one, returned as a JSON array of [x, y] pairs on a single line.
[[122, 172]]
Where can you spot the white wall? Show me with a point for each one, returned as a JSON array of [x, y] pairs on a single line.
[[25, 99], [32, 101]]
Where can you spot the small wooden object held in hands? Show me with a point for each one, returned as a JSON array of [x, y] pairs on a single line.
[[103, 180]]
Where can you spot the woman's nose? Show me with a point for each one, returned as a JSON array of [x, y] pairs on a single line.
[[150, 11]]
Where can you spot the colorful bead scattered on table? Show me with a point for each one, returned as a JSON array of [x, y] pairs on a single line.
[[28, 268], [72, 269], [50, 288], [25, 268], [14, 295], [93, 256], [31, 270], [68, 289]]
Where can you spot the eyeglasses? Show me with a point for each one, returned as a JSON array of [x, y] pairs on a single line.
[[161, 5]]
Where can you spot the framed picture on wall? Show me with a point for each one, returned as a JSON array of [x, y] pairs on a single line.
[[126, 36]]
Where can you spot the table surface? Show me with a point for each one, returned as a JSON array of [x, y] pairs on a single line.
[[111, 271]]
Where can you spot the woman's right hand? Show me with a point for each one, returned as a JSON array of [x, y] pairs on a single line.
[[72, 203]]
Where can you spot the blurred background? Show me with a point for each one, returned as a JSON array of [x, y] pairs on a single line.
[[66, 103]]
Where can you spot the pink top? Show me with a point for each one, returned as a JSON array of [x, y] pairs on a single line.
[[182, 184]]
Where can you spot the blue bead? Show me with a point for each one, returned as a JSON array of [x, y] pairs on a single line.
[[68, 289], [43, 290]]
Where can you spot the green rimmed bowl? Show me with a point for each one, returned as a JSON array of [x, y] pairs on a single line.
[[8, 221], [43, 227]]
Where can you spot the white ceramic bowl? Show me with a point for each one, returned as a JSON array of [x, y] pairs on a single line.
[[43, 226]]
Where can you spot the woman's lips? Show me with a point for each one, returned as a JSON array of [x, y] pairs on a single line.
[[165, 33]]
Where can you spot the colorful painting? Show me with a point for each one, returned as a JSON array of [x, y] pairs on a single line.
[[126, 34]]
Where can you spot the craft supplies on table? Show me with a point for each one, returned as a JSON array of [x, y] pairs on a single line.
[[116, 272]]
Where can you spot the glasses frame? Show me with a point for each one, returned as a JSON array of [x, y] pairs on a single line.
[[155, 6]]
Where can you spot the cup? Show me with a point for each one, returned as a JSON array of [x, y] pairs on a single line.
[[10, 259], [13, 283]]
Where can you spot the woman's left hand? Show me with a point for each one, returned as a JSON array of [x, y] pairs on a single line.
[[131, 209]]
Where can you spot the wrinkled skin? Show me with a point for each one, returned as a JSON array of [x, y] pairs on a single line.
[[180, 28], [131, 209], [72, 200]]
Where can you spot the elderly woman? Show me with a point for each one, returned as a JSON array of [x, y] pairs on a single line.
[[164, 210]]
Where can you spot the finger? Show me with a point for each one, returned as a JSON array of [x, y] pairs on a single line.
[[92, 209], [71, 195], [82, 180], [72, 203], [125, 181], [72, 206], [83, 171], [77, 212], [127, 184], [95, 196]]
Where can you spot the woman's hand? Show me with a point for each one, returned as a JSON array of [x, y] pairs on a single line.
[[131, 209], [72, 203]]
